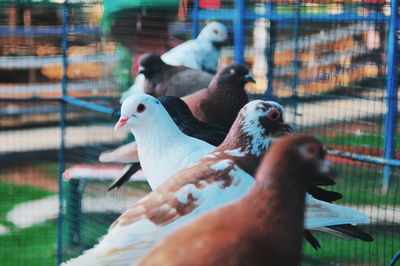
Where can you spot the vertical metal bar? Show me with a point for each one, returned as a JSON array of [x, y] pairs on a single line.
[[63, 110], [270, 53], [195, 19], [392, 100], [238, 32], [73, 212], [295, 63]]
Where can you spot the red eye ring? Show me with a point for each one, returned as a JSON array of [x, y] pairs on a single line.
[[274, 114], [140, 108], [216, 31]]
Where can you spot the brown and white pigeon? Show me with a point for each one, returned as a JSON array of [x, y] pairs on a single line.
[[214, 180], [263, 228]]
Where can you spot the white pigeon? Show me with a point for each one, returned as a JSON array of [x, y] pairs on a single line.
[[162, 148], [201, 53], [213, 181]]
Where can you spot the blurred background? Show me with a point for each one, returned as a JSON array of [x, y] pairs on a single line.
[[64, 65]]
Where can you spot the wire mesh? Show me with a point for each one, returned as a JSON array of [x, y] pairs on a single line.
[[325, 62]]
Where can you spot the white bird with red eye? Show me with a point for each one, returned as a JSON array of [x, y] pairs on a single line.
[[162, 148]]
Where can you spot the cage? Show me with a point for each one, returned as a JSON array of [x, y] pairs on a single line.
[[65, 64]]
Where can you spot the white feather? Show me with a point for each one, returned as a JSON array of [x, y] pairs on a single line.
[[162, 148], [320, 213]]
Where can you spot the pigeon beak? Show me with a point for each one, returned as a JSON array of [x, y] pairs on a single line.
[[326, 174], [249, 78], [141, 70], [121, 122], [221, 44], [284, 129]]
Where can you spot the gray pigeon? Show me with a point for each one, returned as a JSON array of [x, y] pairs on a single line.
[[162, 79]]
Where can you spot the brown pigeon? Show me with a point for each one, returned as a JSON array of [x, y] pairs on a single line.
[[225, 96], [263, 228]]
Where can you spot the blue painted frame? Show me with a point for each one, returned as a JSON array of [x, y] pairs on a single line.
[[63, 114], [392, 98]]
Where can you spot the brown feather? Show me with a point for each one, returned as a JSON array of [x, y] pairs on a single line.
[[223, 99]]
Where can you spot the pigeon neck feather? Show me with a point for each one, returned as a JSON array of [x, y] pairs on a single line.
[[278, 203], [249, 144], [160, 130]]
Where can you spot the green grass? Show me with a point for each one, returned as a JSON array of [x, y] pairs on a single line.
[[13, 194], [34, 246], [31, 246], [370, 140], [355, 252], [361, 185]]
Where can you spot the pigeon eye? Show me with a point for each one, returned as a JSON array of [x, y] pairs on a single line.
[[232, 71], [311, 151], [140, 108], [274, 115], [216, 31]]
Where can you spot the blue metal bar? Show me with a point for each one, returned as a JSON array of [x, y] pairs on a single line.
[[63, 111], [89, 106], [270, 61], [195, 19], [31, 99], [391, 87], [47, 30], [363, 158], [238, 32], [44, 99], [274, 15], [395, 259], [295, 63]]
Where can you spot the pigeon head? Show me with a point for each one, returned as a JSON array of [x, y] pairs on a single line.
[[233, 75], [299, 156], [150, 64], [138, 108], [214, 32], [259, 121]]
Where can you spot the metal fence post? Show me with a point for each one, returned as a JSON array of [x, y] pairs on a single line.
[[295, 80], [63, 109], [195, 19], [270, 52], [73, 219], [238, 32], [392, 100]]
